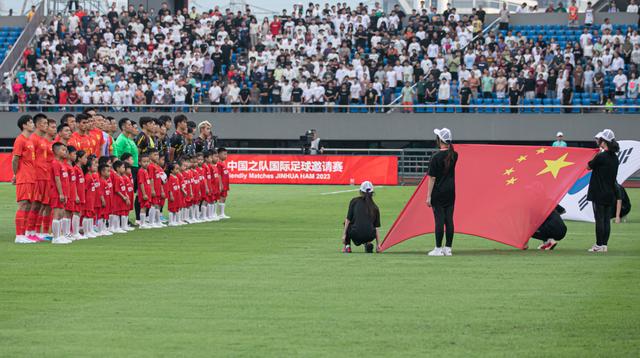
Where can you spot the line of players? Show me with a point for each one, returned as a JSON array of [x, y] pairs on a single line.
[[65, 194]]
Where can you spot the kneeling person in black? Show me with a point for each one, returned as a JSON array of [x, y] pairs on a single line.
[[552, 230], [363, 220]]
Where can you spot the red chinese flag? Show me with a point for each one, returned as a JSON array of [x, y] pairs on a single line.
[[503, 193]]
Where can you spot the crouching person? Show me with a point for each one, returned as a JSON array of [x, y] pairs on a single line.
[[362, 224], [552, 229]]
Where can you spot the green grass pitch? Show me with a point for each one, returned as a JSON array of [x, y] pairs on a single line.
[[271, 282]]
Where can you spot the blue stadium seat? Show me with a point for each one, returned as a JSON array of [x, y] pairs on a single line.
[[556, 102], [479, 101]]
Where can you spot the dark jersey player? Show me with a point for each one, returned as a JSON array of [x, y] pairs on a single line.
[[363, 221]]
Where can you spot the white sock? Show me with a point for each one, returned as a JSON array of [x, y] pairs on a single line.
[[209, 211], [75, 223], [55, 227], [66, 226], [215, 209], [221, 209], [152, 215], [92, 226], [100, 225], [158, 213], [203, 211], [143, 219], [124, 222]]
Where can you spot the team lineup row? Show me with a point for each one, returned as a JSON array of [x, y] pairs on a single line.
[[65, 194]]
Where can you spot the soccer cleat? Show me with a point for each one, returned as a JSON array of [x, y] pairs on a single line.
[[22, 239], [447, 251], [368, 248], [346, 249], [61, 241], [436, 252], [597, 248], [45, 237]]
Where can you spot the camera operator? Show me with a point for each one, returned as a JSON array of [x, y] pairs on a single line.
[[311, 143]]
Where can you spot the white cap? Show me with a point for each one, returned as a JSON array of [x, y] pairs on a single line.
[[444, 134], [366, 187], [559, 134], [606, 134]]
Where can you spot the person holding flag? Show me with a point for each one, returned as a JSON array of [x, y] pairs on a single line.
[[602, 187], [441, 190]]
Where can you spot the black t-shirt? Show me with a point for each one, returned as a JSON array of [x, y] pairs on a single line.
[[621, 194], [602, 185], [444, 189], [552, 228], [360, 219], [465, 93], [177, 143], [296, 95], [566, 95]]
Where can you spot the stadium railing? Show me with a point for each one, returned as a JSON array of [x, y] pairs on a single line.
[[479, 106], [413, 163]]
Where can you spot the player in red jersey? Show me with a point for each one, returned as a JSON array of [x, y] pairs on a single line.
[[81, 161], [209, 169], [145, 185], [215, 183], [40, 197], [81, 139], [130, 192], [174, 194], [92, 186], [224, 181], [191, 194], [59, 194], [22, 163], [63, 134], [96, 134], [45, 217], [121, 201]]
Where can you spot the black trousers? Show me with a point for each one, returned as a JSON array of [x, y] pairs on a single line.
[[359, 236], [602, 214], [443, 216], [136, 203]]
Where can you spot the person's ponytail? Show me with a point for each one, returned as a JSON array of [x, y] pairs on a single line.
[[369, 204], [613, 146], [449, 158]]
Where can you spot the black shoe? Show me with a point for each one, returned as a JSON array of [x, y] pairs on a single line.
[[368, 248]]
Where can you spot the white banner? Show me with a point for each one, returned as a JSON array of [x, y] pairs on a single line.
[[575, 202]]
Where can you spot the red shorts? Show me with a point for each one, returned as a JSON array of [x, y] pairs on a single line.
[[55, 203], [25, 192], [71, 205], [91, 214], [144, 204], [174, 206], [41, 192], [223, 194], [158, 201]]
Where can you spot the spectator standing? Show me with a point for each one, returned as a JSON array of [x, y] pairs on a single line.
[[573, 14], [5, 97], [407, 97], [559, 142], [465, 96], [504, 17], [567, 96], [588, 15]]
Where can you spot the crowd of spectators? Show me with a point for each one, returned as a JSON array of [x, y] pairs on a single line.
[[136, 59]]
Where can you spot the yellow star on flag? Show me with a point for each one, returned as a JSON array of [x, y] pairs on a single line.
[[541, 151], [554, 166], [511, 181], [509, 171], [521, 159]]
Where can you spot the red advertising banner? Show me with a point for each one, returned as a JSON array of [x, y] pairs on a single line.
[[6, 172], [312, 169]]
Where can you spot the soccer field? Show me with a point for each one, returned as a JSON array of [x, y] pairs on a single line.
[[272, 282]]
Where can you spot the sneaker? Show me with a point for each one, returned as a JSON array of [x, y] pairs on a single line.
[[436, 252], [22, 239], [215, 218], [145, 227], [551, 244], [346, 249], [90, 235], [61, 241], [106, 233], [119, 231], [129, 228], [45, 237], [74, 237], [447, 251], [35, 238], [225, 217], [173, 224], [368, 248], [597, 248]]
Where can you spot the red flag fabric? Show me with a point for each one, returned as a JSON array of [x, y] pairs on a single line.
[[503, 193]]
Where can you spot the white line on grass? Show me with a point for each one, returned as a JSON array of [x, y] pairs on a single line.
[[346, 191]]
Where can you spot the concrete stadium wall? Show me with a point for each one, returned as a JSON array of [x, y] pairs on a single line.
[[396, 126], [13, 21]]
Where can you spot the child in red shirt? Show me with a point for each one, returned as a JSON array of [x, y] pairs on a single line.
[[224, 181], [174, 193], [130, 191], [92, 185], [157, 193], [144, 190], [106, 186], [81, 160], [121, 201], [59, 193]]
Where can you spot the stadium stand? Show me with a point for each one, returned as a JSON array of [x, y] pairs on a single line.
[[8, 36], [129, 60]]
